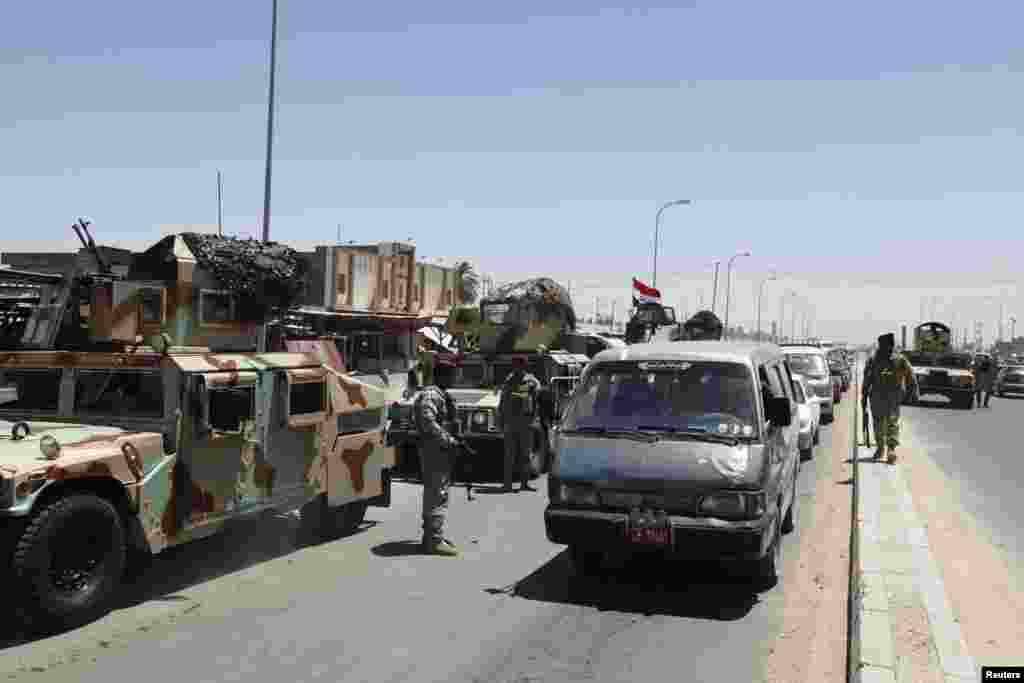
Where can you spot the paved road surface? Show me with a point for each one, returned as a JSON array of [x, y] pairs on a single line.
[[980, 449], [251, 606]]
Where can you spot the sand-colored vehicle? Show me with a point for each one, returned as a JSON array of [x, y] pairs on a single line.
[[106, 452]]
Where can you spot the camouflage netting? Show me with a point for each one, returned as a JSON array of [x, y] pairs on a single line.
[[263, 275], [548, 298]]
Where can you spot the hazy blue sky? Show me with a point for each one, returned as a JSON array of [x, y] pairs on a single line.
[[871, 150]]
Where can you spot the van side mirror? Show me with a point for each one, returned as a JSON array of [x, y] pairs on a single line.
[[780, 411]]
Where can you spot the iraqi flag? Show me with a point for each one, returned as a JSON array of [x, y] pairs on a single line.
[[644, 294]]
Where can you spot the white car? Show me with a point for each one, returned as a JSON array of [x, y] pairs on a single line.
[[810, 361], [809, 407]]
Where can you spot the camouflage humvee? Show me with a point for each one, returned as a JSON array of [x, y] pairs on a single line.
[[105, 452]]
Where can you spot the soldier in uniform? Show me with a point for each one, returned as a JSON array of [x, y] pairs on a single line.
[[703, 325], [886, 378], [434, 412], [516, 411], [984, 378]]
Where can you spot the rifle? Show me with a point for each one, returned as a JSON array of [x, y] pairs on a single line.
[[469, 454], [867, 424]]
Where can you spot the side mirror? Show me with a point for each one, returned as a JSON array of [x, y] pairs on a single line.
[[779, 412]]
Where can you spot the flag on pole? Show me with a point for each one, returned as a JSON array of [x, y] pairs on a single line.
[[644, 294]]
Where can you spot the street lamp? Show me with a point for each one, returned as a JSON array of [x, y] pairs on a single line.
[[714, 288], [728, 286], [1013, 328], [760, 291], [657, 223]]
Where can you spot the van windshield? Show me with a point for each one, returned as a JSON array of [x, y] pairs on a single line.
[[716, 397], [810, 364]]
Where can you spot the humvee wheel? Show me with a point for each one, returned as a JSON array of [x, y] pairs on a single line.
[[69, 561], [326, 523]]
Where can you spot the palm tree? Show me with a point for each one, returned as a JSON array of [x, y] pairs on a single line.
[[469, 281]]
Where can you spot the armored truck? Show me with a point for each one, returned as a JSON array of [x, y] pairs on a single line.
[[938, 368]]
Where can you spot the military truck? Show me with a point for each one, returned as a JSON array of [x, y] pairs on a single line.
[[939, 369], [532, 318], [102, 453]]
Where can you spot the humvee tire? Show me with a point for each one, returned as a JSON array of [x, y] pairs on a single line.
[[322, 523], [85, 535]]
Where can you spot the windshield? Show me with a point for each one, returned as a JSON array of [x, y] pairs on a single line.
[[716, 397], [956, 360], [810, 364]]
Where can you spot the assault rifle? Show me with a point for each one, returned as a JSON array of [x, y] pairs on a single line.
[[468, 465]]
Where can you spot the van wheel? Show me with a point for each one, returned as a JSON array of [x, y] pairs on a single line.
[[321, 523], [768, 570], [348, 518], [69, 562], [585, 562]]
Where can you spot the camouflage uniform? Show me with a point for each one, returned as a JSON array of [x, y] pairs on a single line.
[[516, 411], [884, 379], [434, 410], [984, 379]]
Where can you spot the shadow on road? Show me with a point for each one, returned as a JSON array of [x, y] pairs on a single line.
[[933, 403], [243, 543], [643, 586], [398, 549]]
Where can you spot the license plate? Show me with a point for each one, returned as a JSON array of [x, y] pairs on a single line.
[[658, 536]]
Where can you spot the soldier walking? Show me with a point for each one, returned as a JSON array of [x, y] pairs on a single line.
[[984, 378], [516, 411], [886, 378], [435, 415]]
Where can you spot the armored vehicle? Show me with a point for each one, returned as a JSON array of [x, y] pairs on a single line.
[[939, 369], [106, 452]]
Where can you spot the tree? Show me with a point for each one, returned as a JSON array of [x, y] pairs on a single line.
[[469, 281]]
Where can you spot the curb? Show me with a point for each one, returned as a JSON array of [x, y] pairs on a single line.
[[854, 602], [881, 558]]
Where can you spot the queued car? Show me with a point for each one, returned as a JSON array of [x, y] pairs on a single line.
[[1010, 381], [811, 362], [687, 450], [810, 416]]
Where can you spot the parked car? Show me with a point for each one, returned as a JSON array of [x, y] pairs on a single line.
[[683, 449], [811, 362], [1010, 381], [810, 416]]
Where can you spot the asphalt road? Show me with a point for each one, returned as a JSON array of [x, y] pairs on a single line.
[[979, 449], [251, 605]]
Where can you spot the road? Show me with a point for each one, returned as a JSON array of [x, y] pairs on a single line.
[[978, 449], [250, 605]]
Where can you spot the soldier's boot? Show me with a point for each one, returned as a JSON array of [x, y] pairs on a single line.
[[879, 452], [892, 455], [443, 547]]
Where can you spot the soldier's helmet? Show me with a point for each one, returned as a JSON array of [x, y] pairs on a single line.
[[703, 325]]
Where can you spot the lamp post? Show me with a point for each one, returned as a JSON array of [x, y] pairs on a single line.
[[714, 288], [1013, 328], [270, 125], [728, 286], [657, 224], [760, 292]]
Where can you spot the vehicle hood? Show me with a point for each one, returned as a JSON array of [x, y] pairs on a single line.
[[670, 463], [23, 456], [475, 398]]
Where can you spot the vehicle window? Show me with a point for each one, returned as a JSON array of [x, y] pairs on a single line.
[[784, 386], [798, 392], [810, 364], [307, 397], [119, 392], [361, 421], [37, 389], [953, 360], [774, 383], [230, 406], [685, 395]]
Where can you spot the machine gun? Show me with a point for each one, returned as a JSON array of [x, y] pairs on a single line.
[[82, 226]]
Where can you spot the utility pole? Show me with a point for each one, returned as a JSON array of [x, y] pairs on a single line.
[[339, 234], [270, 125], [714, 289], [220, 205]]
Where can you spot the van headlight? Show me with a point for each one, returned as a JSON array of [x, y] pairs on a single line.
[[732, 505], [576, 495], [731, 462]]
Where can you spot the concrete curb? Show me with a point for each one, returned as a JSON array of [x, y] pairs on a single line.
[[893, 552]]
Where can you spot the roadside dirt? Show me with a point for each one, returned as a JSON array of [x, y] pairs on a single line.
[[812, 643], [985, 591]]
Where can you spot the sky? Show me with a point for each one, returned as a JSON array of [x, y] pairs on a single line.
[[867, 153]]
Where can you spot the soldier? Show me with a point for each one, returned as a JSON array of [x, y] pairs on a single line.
[[435, 413], [516, 411], [703, 325], [984, 378], [886, 377]]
